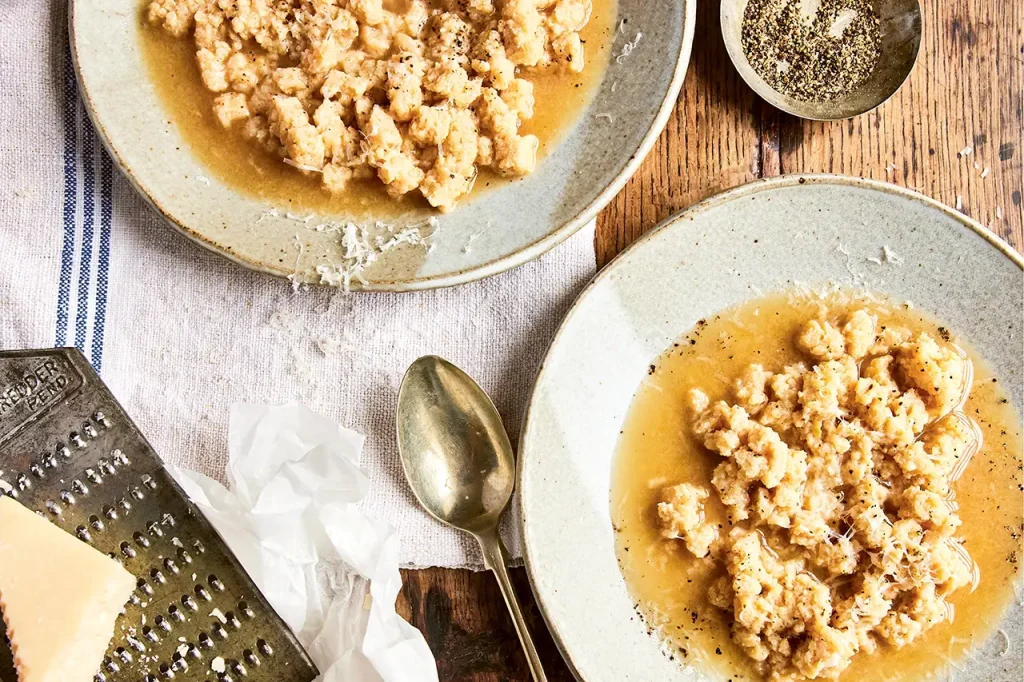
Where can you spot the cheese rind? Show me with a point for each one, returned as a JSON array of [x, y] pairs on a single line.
[[60, 598]]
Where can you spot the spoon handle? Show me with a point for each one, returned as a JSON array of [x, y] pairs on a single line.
[[495, 558]]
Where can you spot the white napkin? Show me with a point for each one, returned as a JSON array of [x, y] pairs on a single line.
[[291, 518], [180, 334]]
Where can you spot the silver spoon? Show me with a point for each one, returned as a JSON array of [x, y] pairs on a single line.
[[460, 465]]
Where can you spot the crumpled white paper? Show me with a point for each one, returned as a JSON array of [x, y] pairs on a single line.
[[290, 517]]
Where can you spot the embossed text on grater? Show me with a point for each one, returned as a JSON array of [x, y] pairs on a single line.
[[69, 452]]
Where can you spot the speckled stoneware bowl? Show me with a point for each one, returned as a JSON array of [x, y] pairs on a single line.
[[814, 230], [517, 222], [900, 45]]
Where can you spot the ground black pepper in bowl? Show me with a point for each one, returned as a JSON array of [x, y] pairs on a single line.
[[816, 56]]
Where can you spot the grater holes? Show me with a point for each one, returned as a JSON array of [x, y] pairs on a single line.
[[127, 550], [134, 599], [53, 508], [264, 647], [79, 488], [141, 540], [157, 576], [246, 611], [198, 546], [251, 658], [232, 620], [49, 461], [184, 557], [150, 677], [137, 493], [89, 430], [162, 623], [134, 643], [124, 504], [106, 467], [203, 593], [23, 483], [62, 451], [120, 459], [110, 665], [178, 664], [215, 583], [238, 668], [205, 641], [166, 671], [96, 523], [144, 587], [175, 613], [124, 655], [67, 498], [83, 534], [149, 482], [171, 567], [109, 512], [189, 602], [150, 634], [77, 440], [218, 631], [154, 529], [101, 419], [99, 677], [93, 476], [36, 470]]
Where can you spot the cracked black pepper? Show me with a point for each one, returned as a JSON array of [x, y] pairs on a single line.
[[816, 56]]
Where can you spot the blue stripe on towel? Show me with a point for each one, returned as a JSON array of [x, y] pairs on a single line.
[[70, 200], [89, 205], [103, 267]]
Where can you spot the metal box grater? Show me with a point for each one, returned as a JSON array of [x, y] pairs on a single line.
[[69, 452]]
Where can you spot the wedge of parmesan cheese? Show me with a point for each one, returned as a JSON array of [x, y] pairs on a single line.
[[60, 598]]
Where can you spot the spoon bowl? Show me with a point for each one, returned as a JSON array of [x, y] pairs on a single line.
[[454, 448]]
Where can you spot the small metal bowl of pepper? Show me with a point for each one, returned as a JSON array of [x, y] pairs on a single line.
[[824, 60]]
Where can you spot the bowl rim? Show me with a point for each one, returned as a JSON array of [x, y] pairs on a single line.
[[610, 270], [497, 266], [776, 99]]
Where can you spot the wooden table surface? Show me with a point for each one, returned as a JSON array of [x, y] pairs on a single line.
[[966, 92]]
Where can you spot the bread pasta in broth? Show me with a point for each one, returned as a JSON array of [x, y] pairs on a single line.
[[421, 95], [784, 493], [813, 460]]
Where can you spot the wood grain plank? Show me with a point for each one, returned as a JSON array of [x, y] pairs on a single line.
[[465, 622]]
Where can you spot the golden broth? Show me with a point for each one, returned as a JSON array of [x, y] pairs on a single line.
[[560, 99], [657, 449]]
